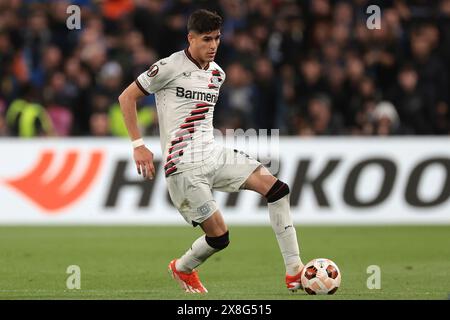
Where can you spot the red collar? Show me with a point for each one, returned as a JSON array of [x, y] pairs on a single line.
[[188, 54]]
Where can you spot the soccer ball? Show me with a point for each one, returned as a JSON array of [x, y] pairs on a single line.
[[321, 276]]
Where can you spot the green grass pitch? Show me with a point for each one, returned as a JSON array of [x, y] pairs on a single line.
[[131, 262]]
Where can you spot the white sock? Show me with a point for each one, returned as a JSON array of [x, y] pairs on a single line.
[[282, 225], [196, 255]]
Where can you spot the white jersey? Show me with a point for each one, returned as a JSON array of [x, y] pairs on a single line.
[[185, 98]]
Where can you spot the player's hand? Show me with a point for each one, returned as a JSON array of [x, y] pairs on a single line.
[[143, 158]]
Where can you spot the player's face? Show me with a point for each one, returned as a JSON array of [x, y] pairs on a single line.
[[204, 45]]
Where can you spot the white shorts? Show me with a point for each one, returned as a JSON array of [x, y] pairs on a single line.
[[191, 191]]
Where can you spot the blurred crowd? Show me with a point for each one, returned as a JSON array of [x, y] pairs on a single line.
[[306, 67]]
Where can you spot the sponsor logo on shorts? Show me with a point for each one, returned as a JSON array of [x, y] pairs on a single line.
[[204, 209]]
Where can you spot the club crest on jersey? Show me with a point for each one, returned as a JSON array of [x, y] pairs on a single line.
[[153, 71], [215, 80]]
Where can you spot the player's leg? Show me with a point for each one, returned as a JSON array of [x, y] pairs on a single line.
[[215, 239], [239, 171], [277, 194], [191, 194]]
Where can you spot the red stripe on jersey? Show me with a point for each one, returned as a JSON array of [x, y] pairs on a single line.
[[171, 170], [175, 155], [216, 73], [201, 105], [182, 138], [193, 118], [171, 163], [188, 125], [177, 147], [211, 86], [199, 111], [184, 131]]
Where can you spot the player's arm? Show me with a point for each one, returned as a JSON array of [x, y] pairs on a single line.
[[143, 157]]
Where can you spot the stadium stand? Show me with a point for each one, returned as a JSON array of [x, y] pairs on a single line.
[[305, 67]]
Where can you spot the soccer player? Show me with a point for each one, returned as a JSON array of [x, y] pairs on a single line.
[[186, 87]]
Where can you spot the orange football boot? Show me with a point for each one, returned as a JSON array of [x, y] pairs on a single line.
[[189, 282], [293, 283]]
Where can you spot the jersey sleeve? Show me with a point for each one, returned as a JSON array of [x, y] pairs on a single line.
[[156, 77]]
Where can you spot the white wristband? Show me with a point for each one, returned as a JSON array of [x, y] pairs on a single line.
[[137, 143]]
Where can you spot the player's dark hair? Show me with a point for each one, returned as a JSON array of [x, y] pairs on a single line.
[[204, 21]]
